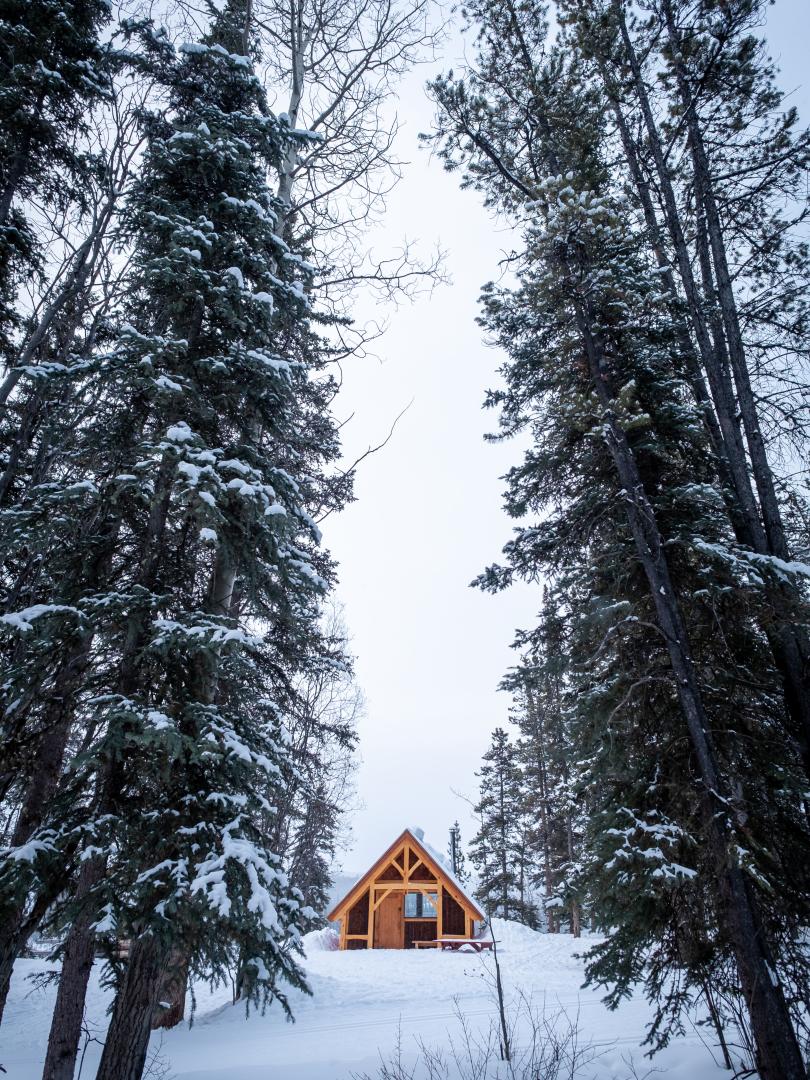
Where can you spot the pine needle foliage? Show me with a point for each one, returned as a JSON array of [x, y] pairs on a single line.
[[597, 377]]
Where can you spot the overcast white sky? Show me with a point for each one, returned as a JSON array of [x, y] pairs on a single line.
[[430, 650]]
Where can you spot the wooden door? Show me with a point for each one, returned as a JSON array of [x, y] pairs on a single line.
[[388, 923]]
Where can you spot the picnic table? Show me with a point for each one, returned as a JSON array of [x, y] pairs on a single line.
[[455, 944]]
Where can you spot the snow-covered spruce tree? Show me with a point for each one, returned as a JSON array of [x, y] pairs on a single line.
[[73, 213], [644, 841], [718, 165], [51, 70], [59, 550], [548, 758], [216, 601], [58, 543], [498, 851], [620, 467]]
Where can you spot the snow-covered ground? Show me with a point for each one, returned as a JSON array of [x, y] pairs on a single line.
[[362, 1003]]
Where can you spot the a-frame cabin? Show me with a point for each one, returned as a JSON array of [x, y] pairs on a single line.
[[408, 895]]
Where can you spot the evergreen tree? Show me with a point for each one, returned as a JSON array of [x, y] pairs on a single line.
[[695, 813], [243, 458], [548, 756], [51, 71], [455, 854], [206, 448], [58, 536], [721, 214], [499, 851]]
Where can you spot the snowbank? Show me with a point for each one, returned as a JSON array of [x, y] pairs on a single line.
[[326, 940]]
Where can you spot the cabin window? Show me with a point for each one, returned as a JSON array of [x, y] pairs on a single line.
[[420, 906]]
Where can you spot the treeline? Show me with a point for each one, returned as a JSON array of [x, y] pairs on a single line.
[[531, 818], [656, 337], [177, 261]]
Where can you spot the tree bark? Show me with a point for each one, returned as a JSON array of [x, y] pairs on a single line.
[[576, 919], [127, 1042], [172, 997], [298, 43], [77, 962]]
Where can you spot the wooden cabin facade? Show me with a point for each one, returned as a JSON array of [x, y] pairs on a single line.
[[406, 896]]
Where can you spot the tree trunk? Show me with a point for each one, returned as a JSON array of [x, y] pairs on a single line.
[[127, 1042], [728, 309], [711, 350], [13, 938], [576, 919], [576, 911], [172, 998], [66, 1023], [733, 473], [16, 171], [17, 925], [8, 957], [503, 853], [298, 43]]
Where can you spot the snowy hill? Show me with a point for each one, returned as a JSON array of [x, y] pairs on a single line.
[[360, 1001]]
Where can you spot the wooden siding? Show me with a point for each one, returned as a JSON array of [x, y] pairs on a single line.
[[358, 916], [390, 873], [419, 930], [421, 873], [453, 921]]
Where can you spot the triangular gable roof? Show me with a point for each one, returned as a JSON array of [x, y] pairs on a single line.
[[429, 857]]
